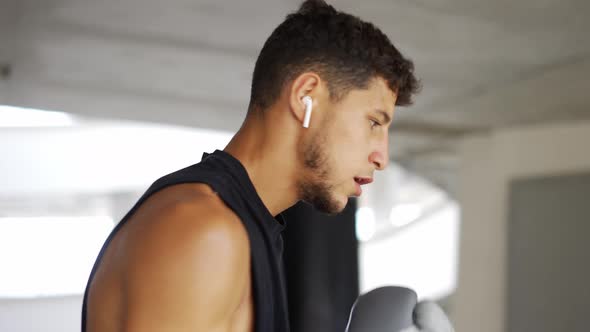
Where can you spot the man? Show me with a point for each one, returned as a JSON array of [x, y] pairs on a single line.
[[201, 250]]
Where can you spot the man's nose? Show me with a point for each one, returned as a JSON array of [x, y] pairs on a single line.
[[379, 160], [380, 157]]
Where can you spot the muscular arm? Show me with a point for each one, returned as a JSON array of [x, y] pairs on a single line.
[[188, 274]]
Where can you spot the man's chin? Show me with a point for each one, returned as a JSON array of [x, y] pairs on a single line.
[[331, 208], [324, 199]]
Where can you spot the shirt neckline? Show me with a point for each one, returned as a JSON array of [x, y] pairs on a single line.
[[276, 224]]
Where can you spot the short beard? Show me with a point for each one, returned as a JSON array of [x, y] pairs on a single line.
[[315, 190]]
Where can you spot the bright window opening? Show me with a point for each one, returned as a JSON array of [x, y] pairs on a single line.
[[11, 116], [49, 256], [408, 234]]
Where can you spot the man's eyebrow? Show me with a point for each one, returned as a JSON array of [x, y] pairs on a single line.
[[386, 117]]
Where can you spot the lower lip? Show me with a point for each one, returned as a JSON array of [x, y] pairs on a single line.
[[359, 190]]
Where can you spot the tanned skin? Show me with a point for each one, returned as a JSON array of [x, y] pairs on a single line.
[[182, 261]]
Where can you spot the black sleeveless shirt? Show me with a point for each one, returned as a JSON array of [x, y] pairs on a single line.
[[228, 177]]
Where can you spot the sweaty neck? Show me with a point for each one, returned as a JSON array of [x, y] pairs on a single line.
[[268, 152]]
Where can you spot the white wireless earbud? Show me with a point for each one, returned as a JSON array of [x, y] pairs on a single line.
[[308, 105]]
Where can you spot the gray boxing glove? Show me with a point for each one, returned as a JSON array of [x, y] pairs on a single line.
[[395, 309], [429, 317]]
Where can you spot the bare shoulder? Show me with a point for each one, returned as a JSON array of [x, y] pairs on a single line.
[[187, 212], [188, 266]]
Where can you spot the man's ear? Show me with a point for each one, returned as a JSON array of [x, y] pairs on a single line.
[[306, 84]]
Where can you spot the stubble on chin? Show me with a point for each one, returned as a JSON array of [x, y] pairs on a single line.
[[315, 190]]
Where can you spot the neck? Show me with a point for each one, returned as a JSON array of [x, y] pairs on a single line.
[[267, 150]]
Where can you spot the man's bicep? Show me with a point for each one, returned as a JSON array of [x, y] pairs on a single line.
[[189, 280]]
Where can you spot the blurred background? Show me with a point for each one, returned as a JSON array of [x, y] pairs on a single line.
[[485, 206]]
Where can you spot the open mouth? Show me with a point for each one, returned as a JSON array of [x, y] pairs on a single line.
[[359, 182], [363, 180]]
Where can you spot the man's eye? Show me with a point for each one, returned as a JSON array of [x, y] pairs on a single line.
[[374, 123]]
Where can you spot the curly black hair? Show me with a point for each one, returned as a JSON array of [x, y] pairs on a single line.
[[344, 50]]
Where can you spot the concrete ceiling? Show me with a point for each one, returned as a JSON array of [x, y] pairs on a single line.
[[483, 64]]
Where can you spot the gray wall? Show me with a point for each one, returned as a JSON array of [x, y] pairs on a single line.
[[7, 41], [488, 163], [549, 254]]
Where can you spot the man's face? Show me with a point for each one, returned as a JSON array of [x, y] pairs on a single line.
[[346, 147]]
